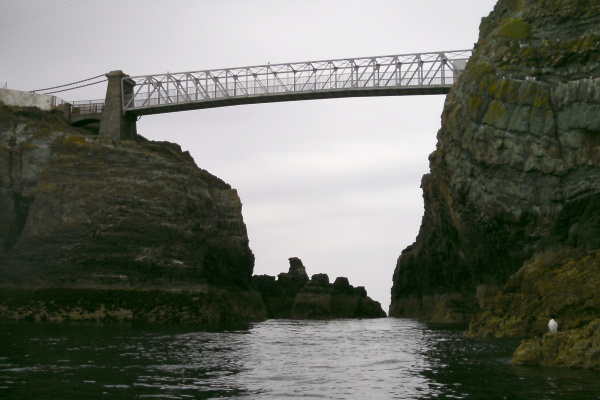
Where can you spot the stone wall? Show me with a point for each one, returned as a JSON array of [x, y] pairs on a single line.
[[28, 99]]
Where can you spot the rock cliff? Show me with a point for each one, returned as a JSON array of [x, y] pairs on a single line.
[[293, 295], [110, 224], [511, 229]]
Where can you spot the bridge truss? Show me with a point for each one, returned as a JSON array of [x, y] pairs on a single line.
[[423, 73]]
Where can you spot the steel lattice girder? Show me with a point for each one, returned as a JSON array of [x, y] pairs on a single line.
[[398, 71]]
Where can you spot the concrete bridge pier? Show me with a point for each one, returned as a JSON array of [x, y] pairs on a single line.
[[114, 123]]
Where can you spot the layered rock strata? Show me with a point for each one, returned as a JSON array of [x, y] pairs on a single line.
[[511, 227], [293, 295], [279, 293], [82, 213]]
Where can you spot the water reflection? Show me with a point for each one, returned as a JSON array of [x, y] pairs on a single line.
[[188, 363], [379, 359], [481, 369], [85, 361], [344, 359]]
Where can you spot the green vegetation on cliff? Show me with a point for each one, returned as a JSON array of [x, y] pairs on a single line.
[[574, 348], [515, 29], [552, 285], [511, 230]]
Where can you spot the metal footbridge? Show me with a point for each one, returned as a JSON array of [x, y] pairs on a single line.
[[426, 73], [129, 97]]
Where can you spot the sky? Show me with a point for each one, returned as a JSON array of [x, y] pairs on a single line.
[[333, 182]]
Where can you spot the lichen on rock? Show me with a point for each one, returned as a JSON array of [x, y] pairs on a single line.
[[552, 285], [512, 199], [573, 348]]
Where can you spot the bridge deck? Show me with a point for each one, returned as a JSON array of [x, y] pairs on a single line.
[[279, 97], [413, 74]]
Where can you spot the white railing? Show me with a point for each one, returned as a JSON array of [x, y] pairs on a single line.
[[424, 70]]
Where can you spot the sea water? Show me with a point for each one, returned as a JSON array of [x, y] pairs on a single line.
[[277, 359]]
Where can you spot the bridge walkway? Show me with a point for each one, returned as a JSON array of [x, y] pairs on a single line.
[[128, 97], [410, 74]]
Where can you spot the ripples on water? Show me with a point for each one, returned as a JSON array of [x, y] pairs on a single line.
[[277, 359]]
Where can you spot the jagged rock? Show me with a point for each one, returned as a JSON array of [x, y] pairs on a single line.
[[317, 283], [279, 294], [294, 296], [574, 348], [79, 211], [297, 269], [342, 285], [551, 285], [514, 186], [320, 299], [314, 300]]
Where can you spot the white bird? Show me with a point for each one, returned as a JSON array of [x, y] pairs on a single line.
[[553, 325]]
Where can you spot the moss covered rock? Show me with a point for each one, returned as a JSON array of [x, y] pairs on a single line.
[[574, 348], [552, 285]]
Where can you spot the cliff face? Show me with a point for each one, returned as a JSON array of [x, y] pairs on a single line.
[[293, 295], [515, 178], [79, 211]]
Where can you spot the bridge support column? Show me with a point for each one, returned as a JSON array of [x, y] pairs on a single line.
[[114, 123]]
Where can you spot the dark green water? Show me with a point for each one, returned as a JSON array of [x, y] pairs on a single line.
[[344, 359]]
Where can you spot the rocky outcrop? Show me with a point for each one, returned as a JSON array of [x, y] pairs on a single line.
[[293, 295], [574, 348], [84, 213], [279, 293], [555, 284], [511, 227], [320, 299]]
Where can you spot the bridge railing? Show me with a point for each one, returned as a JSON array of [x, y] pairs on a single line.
[[87, 107], [439, 69]]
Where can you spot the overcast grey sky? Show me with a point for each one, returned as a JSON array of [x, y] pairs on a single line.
[[333, 182]]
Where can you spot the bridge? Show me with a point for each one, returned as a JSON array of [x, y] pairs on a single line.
[[129, 97]]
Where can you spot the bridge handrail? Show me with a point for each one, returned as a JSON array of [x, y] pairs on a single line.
[[418, 70], [87, 106]]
